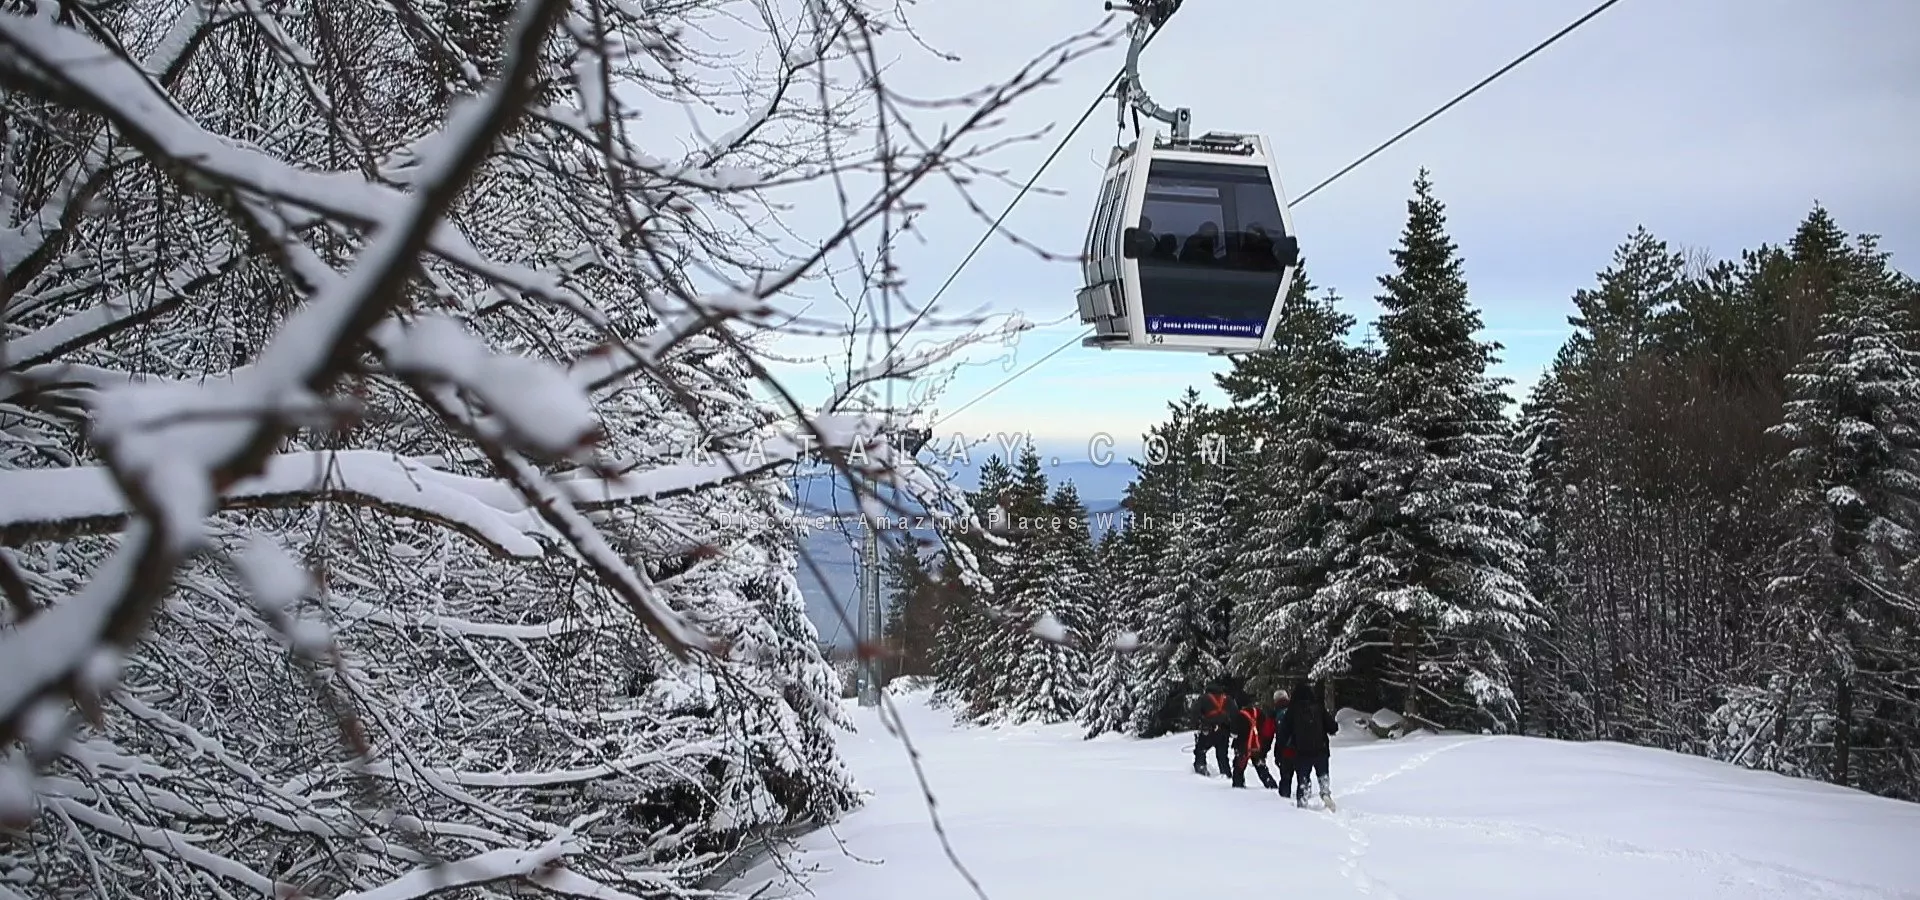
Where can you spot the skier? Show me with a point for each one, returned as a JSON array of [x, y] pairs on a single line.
[[1253, 730], [1306, 728], [1213, 712]]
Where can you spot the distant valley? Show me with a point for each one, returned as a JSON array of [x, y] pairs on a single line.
[[832, 549]]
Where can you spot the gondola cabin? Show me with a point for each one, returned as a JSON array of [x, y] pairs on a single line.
[[1191, 247]]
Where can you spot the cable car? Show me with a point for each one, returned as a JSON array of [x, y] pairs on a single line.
[[1191, 246]]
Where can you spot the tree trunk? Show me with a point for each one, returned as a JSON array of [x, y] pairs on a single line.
[[1843, 730]]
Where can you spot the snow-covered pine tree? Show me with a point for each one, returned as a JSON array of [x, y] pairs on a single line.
[[949, 657], [1430, 594], [1019, 655], [1178, 502], [1118, 584], [1259, 386], [1055, 564], [1776, 727], [1303, 475], [775, 701], [1853, 421], [1260, 390], [968, 670], [1544, 694]]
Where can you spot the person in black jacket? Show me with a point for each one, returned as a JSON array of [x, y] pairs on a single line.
[[1306, 728], [1283, 755], [1213, 714], [1237, 689]]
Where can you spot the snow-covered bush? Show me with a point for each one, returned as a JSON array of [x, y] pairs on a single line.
[[1776, 728], [908, 685]]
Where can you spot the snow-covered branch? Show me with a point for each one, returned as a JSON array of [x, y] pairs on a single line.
[[170, 473], [59, 504], [385, 333]]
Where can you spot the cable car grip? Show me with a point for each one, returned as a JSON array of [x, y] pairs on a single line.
[[1150, 15]]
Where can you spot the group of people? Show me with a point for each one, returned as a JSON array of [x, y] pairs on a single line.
[[1247, 250], [1296, 730]]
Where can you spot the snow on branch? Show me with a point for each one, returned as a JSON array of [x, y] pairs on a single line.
[[486, 868], [552, 777], [175, 216], [62, 62], [45, 504], [174, 449], [30, 244], [49, 503]]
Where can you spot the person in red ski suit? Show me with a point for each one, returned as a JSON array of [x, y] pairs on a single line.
[[1253, 730]]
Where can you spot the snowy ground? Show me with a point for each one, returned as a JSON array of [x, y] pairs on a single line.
[[1038, 814]]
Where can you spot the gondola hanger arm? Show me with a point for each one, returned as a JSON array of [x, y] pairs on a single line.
[[1149, 16]]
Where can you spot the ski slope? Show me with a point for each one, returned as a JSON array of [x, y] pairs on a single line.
[[1039, 814]]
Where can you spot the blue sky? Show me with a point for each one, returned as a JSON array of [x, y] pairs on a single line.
[[1717, 124]]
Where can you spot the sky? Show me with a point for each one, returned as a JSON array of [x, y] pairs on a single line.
[[1716, 124]]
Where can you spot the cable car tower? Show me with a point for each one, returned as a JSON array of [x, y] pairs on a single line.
[[1191, 246]]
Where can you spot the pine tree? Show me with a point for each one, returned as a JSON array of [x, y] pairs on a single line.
[[1615, 334], [1435, 568], [1178, 503], [962, 627], [1584, 434], [1018, 502], [1295, 489], [969, 671], [1853, 421], [1115, 611], [1616, 319], [1048, 681], [1259, 385], [1545, 698], [913, 611], [980, 645]]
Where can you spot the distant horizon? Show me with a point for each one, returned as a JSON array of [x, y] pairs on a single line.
[[1101, 489]]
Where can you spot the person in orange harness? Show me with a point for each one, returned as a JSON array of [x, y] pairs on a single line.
[[1253, 730], [1213, 714]]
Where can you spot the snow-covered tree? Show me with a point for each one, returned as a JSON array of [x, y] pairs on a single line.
[[1601, 536], [914, 611], [1775, 727], [1429, 594], [1114, 636], [1178, 504], [1853, 420], [969, 646], [1049, 671], [390, 453], [1291, 542]]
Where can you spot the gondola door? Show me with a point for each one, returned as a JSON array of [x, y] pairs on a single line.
[[1104, 301]]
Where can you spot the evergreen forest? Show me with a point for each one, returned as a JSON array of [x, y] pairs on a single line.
[[1697, 532]]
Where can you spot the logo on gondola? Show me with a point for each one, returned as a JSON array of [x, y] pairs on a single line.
[[1211, 327]]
